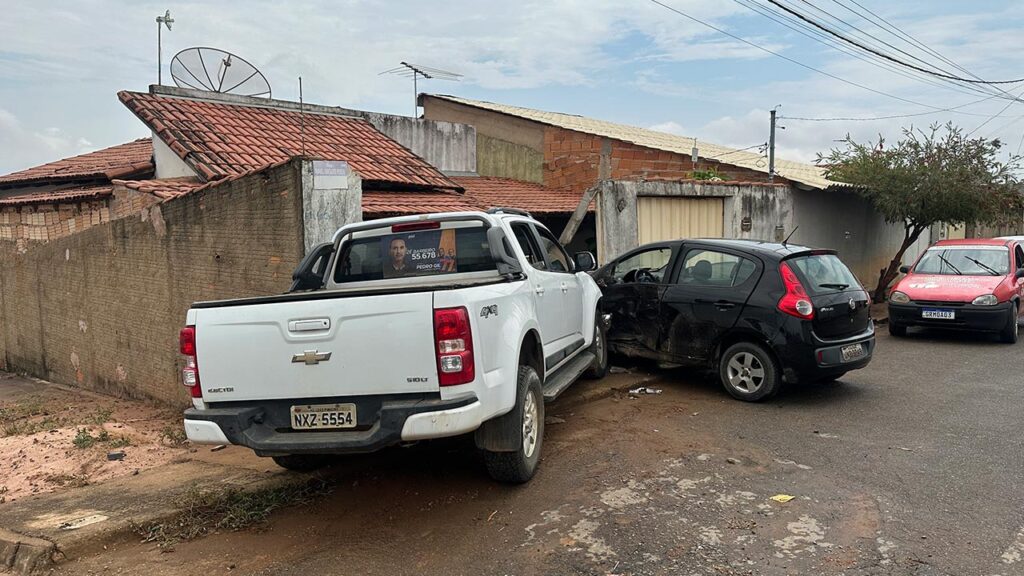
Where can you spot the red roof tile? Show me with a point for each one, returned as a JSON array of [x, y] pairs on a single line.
[[77, 194], [163, 188], [119, 161], [507, 193], [378, 204], [220, 139]]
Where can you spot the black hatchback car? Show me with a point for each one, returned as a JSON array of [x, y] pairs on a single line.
[[759, 313]]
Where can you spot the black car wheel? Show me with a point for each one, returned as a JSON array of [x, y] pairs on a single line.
[[749, 372], [1009, 334]]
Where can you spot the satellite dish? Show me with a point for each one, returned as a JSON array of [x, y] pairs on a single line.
[[215, 70]]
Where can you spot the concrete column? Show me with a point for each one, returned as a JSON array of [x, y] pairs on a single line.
[[332, 196], [618, 219]]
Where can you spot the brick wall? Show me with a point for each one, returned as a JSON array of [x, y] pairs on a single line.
[[575, 160], [102, 308], [45, 222]]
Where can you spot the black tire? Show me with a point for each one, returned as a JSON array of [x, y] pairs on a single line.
[[302, 462], [749, 372], [518, 466], [599, 348], [897, 330], [1009, 334]]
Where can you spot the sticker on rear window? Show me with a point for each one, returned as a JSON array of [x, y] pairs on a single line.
[[419, 253]]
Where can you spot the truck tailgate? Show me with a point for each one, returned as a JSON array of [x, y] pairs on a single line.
[[317, 348]]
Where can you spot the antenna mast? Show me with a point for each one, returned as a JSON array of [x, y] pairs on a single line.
[[417, 71], [166, 20]]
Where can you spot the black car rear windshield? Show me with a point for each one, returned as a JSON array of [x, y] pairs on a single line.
[[965, 260], [824, 273], [416, 253]]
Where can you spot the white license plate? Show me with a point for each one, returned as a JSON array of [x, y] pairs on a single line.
[[938, 314], [323, 416], [852, 352]]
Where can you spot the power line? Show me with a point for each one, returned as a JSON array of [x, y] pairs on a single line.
[[812, 33], [911, 115], [791, 60], [996, 115], [881, 54], [761, 145]]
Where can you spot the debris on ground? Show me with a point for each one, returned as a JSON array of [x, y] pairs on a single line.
[[119, 455], [218, 448], [620, 370], [554, 420], [645, 390], [733, 460], [782, 498]]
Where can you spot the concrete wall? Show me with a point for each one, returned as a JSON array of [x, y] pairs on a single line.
[[102, 308], [769, 207], [846, 222], [332, 196], [168, 163]]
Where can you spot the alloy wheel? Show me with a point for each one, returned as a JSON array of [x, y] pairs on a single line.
[[530, 424], [745, 372]]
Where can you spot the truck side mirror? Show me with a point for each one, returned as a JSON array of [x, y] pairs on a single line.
[[904, 269], [585, 261], [310, 273]]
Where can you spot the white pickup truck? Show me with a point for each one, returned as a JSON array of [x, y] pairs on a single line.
[[400, 330]]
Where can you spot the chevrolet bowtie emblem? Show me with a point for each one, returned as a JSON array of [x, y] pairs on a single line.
[[311, 357]]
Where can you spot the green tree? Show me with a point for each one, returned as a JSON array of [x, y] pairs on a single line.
[[929, 176]]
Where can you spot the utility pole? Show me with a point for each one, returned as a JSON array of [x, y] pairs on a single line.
[[771, 149]]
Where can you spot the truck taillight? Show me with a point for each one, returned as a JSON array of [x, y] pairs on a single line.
[[453, 340], [795, 302], [190, 373]]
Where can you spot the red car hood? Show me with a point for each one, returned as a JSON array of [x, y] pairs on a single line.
[[948, 288]]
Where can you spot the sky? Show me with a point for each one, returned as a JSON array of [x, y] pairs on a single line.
[[627, 61]]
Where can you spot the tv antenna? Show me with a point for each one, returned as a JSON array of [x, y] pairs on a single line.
[[417, 71], [166, 20], [215, 70]]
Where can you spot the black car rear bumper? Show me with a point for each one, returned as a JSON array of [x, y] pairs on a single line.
[[265, 426], [967, 316], [806, 357]]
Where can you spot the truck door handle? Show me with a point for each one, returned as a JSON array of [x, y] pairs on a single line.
[[539, 290], [565, 287]]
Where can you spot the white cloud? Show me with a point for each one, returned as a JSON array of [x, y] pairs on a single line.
[[24, 147], [670, 127]]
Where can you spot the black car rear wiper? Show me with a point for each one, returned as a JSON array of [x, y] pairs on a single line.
[[980, 263], [837, 286], [950, 264]]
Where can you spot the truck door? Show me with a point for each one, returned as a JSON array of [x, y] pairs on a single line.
[[572, 293], [547, 294]]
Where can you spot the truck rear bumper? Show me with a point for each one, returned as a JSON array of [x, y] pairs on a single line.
[[266, 428]]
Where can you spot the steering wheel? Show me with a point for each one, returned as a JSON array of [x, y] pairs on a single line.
[[644, 275]]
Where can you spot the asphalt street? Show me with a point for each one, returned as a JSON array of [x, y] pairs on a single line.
[[912, 465]]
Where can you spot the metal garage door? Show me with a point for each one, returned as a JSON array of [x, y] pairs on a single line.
[[666, 218]]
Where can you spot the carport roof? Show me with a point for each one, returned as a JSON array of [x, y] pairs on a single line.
[[807, 174], [121, 161]]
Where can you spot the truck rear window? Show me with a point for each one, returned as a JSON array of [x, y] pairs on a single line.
[[412, 254]]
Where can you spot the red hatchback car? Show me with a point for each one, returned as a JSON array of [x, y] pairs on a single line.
[[974, 284]]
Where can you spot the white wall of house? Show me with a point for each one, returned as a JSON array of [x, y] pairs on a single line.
[[168, 164]]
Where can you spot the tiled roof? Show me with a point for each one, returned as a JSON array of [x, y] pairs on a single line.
[[795, 171], [77, 194], [507, 193], [115, 162], [220, 139], [381, 203], [163, 188]]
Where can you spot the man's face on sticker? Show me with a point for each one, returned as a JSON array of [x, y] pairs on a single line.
[[397, 250]]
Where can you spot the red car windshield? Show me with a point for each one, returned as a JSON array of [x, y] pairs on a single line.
[[965, 261]]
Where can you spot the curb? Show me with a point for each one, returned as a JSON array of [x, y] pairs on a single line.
[[26, 555], [22, 554]]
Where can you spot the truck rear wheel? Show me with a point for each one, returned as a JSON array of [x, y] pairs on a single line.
[[527, 419]]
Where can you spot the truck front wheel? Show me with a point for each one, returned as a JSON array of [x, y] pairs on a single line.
[[527, 422]]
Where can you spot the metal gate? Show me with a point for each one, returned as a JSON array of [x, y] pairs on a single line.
[[671, 218]]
